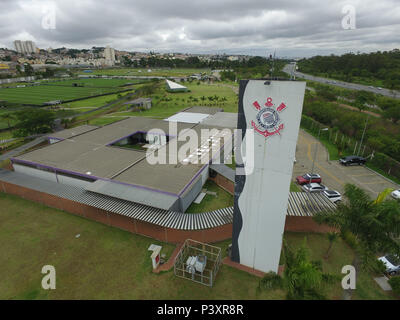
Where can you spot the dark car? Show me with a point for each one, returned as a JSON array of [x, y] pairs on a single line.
[[347, 161], [309, 178]]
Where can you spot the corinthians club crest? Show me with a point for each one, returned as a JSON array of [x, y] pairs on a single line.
[[268, 122]]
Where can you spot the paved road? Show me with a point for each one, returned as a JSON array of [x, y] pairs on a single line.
[[334, 175], [289, 69]]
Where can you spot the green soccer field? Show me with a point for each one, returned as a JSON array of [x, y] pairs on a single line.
[[97, 82], [37, 95]]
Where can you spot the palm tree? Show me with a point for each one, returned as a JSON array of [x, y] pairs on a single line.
[[302, 278], [375, 225], [332, 237]]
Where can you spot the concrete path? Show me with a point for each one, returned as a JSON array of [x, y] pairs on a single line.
[[334, 175], [17, 151]]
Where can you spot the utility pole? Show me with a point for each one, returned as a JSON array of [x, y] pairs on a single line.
[[362, 137], [273, 66], [315, 151]]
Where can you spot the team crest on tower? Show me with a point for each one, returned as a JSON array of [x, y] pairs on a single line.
[[268, 122]]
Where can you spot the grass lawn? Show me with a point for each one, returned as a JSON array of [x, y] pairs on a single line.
[[108, 263], [92, 102], [105, 83], [209, 203], [294, 187], [102, 121], [165, 104], [37, 95]]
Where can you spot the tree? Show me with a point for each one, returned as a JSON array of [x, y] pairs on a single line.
[[302, 278], [374, 224], [393, 113], [7, 117], [28, 69], [33, 121], [361, 100]]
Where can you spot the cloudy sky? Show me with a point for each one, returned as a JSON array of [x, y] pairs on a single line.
[[291, 27]]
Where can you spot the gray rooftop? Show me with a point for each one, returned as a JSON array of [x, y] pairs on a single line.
[[222, 119], [203, 109], [72, 132], [300, 204], [89, 154]]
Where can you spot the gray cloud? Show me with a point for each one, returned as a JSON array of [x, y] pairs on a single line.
[[294, 28]]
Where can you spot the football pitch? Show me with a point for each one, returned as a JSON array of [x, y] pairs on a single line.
[[64, 90], [97, 82]]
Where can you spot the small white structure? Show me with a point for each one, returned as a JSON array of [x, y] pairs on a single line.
[[188, 117], [175, 87], [155, 256]]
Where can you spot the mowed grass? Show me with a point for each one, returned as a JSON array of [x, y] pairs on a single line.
[[95, 82], [223, 199], [103, 263], [38, 95], [108, 263], [165, 104]]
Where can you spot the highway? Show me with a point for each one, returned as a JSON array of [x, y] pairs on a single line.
[[290, 69]]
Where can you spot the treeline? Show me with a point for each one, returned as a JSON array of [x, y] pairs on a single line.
[[383, 66], [389, 108], [381, 135], [250, 66]]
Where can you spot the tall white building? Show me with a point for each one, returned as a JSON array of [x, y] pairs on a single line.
[[109, 55], [24, 47]]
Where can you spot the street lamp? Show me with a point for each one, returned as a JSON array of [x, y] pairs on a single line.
[[316, 147]]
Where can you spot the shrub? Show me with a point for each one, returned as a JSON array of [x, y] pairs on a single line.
[[395, 284], [350, 239], [270, 281]]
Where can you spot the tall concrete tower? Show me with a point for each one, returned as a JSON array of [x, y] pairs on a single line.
[[269, 117]]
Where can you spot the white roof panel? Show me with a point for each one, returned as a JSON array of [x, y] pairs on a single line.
[[174, 85], [188, 117]]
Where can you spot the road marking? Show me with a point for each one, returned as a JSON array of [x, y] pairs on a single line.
[[374, 182], [362, 175], [323, 169]]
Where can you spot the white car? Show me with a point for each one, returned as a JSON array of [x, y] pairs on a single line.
[[395, 194], [314, 187], [333, 195], [392, 263]]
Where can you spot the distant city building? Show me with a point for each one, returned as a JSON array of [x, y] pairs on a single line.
[[109, 55], [24, 47]]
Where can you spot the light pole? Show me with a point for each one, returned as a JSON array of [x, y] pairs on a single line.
[[315, 151], [362, 137]]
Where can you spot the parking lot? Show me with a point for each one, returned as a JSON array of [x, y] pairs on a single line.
[[334, 175]]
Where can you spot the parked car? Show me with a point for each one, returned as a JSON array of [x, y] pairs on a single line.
[[395, 194], [309, 178], [333, 195], [392, 263], [349, 160], [314, 187]]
